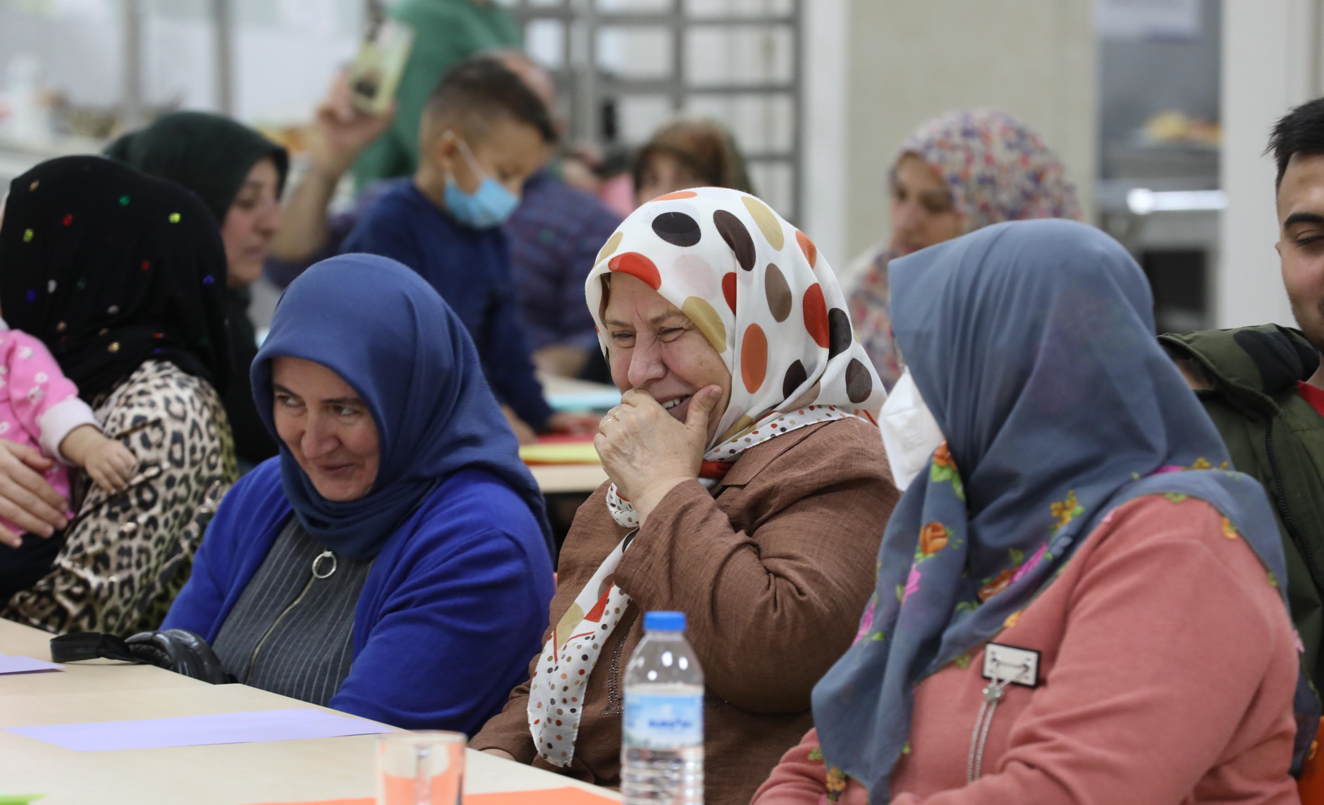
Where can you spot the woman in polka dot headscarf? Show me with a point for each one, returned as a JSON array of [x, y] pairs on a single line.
[[957, 173], [746, 486]]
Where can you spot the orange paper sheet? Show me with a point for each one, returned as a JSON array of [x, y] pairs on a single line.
[[363, 801], [550, 796]]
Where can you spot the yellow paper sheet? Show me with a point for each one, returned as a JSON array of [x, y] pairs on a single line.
[[572, 453]]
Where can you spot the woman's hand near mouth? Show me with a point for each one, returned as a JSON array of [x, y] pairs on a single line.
[[646, 451]]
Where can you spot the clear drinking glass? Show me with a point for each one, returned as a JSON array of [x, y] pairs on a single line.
[[420, 768]]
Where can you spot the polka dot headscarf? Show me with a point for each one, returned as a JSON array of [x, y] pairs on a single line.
[[767, 301]]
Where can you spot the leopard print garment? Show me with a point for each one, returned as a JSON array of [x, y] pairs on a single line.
[[127, 555]]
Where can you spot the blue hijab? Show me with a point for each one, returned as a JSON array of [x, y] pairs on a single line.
[[389, 335], [1033, 344]]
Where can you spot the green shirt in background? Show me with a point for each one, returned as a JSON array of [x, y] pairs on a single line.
[[445, 33]]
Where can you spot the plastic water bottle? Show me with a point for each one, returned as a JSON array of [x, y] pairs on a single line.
[[662, 737]]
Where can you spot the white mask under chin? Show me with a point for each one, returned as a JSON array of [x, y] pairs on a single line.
[[910, 433]]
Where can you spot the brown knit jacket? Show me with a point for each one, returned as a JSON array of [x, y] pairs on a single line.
[[772, 570]]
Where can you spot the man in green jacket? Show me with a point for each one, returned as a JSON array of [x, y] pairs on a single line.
[[1264, 387]]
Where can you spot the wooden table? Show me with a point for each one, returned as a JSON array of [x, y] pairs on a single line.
[[231, 774], [566, 478]]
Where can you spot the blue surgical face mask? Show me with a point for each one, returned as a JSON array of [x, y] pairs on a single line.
[[488, 206]]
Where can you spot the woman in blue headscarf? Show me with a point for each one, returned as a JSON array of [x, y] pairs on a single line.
[[1076, 601], [394, 560]]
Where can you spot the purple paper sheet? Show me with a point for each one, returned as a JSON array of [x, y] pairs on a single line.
[[25, 665], [228, 728]]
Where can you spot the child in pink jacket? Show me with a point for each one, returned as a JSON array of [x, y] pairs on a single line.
[[40, 407]]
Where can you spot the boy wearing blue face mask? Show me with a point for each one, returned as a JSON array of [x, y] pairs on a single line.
[[483, 134]]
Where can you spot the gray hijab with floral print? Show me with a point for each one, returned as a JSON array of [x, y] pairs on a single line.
[[1033, 344]]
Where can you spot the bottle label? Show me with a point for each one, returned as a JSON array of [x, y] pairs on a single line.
[[660, 721]]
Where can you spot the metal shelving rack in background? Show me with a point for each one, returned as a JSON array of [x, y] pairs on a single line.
[[764, 107], [132, 21], [588, 84]]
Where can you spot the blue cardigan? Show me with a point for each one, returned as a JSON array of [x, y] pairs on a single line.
[[452, 611]]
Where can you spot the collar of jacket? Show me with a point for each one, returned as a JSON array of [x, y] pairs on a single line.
[[1251, 365]]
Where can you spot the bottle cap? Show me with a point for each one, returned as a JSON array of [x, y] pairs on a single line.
[[664, 621]]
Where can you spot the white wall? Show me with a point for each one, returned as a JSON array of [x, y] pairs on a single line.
[[285, 52], [911, 60], [1270, 63], [825, 130]]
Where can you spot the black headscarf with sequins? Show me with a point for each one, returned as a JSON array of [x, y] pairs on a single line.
[[112, 268]]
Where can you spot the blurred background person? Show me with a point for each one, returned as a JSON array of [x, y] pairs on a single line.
[[554, 233], [686, 153], [446, 32], [239, 174], [956, 173]]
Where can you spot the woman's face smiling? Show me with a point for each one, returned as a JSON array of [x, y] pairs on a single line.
[[327, 428], [653, 346]]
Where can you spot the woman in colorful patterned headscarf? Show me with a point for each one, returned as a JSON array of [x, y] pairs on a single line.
[[959, 172], [747, 485]]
